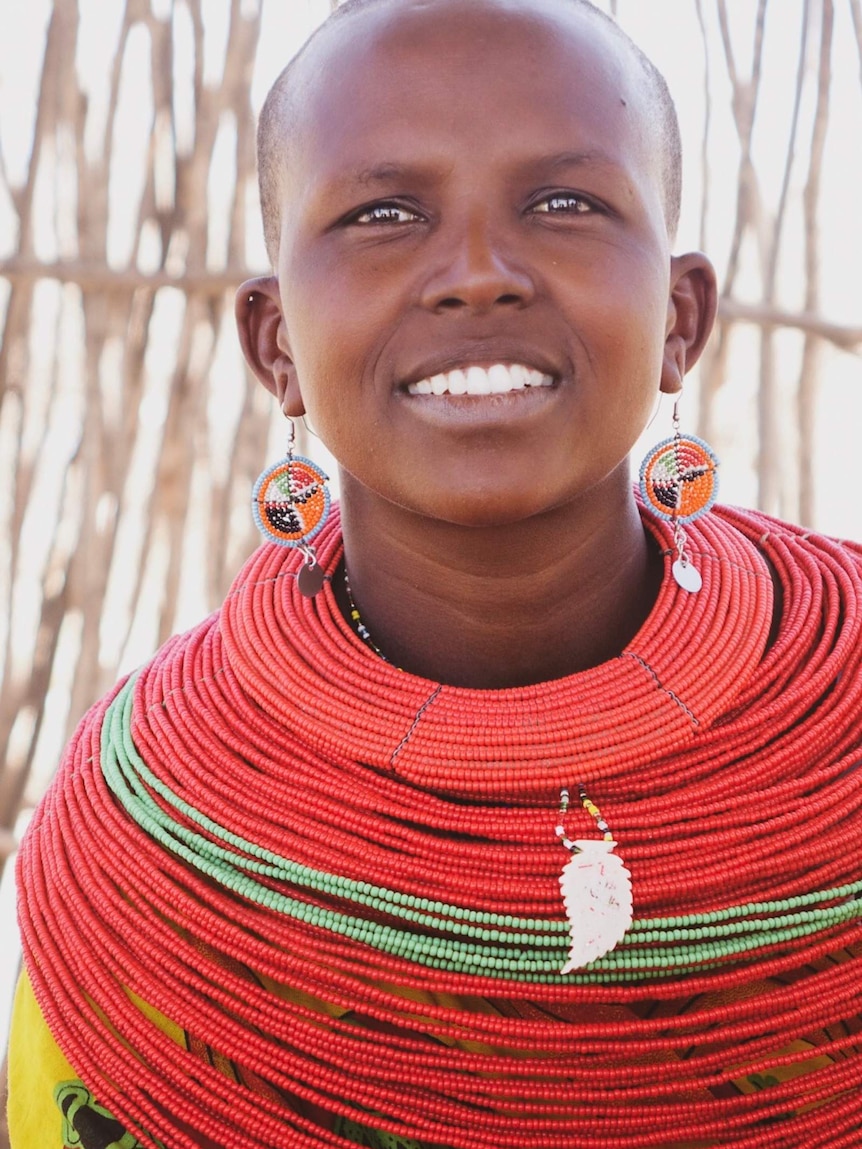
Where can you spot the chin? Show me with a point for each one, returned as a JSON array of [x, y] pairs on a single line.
[[488, 510]]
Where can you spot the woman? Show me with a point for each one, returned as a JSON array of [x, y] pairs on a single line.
[[506, 809]]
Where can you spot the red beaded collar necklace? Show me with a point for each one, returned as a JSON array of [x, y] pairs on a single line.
[[360, 837]]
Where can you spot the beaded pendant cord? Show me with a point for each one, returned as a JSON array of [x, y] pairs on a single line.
[[357, 836], [361, 629], [596, 889]]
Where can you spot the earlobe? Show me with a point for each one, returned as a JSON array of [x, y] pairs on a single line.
[[692, 306], [264, 343]]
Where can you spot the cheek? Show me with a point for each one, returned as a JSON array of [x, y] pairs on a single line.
[[634, 335], [336, 325]]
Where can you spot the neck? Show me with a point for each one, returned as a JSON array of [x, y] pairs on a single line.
[[501, 606]]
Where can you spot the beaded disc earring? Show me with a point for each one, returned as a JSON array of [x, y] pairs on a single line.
[[290, 503], [678, 483]]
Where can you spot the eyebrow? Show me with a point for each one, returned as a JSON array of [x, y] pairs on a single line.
[[574, 159], [388, 172], [382, 173]]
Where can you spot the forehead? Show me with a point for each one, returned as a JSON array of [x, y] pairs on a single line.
[[423, 73]]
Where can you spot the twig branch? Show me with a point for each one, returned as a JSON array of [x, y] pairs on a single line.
[[707, 122], [856, 13], [781, 210], [767, 315], [95, 276], [808, 385]]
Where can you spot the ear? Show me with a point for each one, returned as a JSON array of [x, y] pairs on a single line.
[[264, 342], [691, 308]]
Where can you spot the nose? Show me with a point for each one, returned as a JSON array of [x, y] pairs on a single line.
[[476, 271]]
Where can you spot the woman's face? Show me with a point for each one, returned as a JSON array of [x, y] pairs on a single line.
[[474, 202]]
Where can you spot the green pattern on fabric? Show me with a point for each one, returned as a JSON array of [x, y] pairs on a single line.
[[86, 1123], [372, 1138]]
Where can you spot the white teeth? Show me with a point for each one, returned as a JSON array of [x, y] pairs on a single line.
[[478, 382], [457, 382], [502, 379], [498, 379]]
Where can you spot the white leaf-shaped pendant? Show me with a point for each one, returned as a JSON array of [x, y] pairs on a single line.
[[597, 895]]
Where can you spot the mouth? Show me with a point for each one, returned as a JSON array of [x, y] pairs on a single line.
[[476, 380]]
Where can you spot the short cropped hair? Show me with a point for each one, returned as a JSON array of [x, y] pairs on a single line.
[[279, 105]]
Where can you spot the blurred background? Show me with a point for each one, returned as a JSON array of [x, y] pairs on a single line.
[[130, 431]]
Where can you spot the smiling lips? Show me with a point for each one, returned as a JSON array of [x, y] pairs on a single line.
[[498, 379]]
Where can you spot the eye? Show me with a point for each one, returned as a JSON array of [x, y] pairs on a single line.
[[564, 203], [392, 213]]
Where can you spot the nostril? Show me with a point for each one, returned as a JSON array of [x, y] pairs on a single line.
[[454, 303]]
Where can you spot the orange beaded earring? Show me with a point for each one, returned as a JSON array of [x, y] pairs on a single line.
[[290, 503], [678, 483]]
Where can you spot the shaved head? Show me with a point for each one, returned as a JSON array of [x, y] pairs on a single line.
[[283, 109]]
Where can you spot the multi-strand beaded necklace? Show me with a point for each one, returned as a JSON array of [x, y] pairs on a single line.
[[380, 851]]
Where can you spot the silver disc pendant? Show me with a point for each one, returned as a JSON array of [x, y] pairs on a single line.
[[687, 576], [310, 579]]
